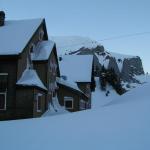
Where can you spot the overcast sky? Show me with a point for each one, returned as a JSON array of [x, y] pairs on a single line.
[[97, 19]]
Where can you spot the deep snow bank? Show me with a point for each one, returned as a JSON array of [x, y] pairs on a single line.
[[121, 125]]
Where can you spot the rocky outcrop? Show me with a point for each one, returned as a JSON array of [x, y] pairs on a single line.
[[113, 64], [88, 51], [131, 66], [126, 67]]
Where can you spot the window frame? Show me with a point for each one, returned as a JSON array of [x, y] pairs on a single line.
[[37, 102], [67, 98], [5, 94]]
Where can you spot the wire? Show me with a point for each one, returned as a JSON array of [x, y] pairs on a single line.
[[107, 39], [125, 36]]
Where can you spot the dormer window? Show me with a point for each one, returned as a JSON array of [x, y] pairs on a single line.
[[41, 35]]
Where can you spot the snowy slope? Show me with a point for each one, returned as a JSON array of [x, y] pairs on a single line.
[[67, 44], [99, 97], [78, 45], [121, 125]]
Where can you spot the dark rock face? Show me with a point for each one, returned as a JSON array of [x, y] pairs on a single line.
[[88, 51], [113, 64], [131, 66]]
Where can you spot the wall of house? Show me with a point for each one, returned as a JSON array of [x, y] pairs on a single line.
[[83, 87], [62, 92], [15, 68], [27, 104], [22, 61], [43, 104], [46, 76], [24, 102], [9, 66]]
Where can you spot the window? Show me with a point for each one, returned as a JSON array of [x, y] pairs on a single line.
[[3, 101], [3, 90], [39, 102], [41, 35], [68, 102]]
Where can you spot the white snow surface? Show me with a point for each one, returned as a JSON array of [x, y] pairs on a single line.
[[99, 98], [15, 34], [67, 44], [72, 85], [30, 78], [42, 50], [143, 78], [77, 68], [55, 108], [123, 124]]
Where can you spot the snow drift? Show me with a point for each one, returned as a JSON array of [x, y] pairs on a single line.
[[120, 125]]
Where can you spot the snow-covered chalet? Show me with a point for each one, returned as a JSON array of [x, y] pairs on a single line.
[[28, 68]]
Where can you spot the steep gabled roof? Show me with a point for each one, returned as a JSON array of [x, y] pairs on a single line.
[[15, 35], [77, 68], [30, 78], [71, 86], [42, 50]]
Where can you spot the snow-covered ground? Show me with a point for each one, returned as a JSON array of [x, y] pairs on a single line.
[[99, 97], [55, 108], [122, 124]]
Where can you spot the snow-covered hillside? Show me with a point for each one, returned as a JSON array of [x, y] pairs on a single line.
[[125, 66], [101, 98], [122, 124], [67, 44]]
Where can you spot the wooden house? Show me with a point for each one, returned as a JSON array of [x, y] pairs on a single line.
[[28, 69], [77, 70], [71, 97]]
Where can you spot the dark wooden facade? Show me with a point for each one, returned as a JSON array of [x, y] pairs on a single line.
[[46, 76], [20, 100], [79, 99]]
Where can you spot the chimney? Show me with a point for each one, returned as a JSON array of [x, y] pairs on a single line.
[[2, 18]]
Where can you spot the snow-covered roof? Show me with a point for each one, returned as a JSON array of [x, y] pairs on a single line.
[[42, 50], [77, 68], [30, 78], [15, 34], [67, 44], [68, 84]]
